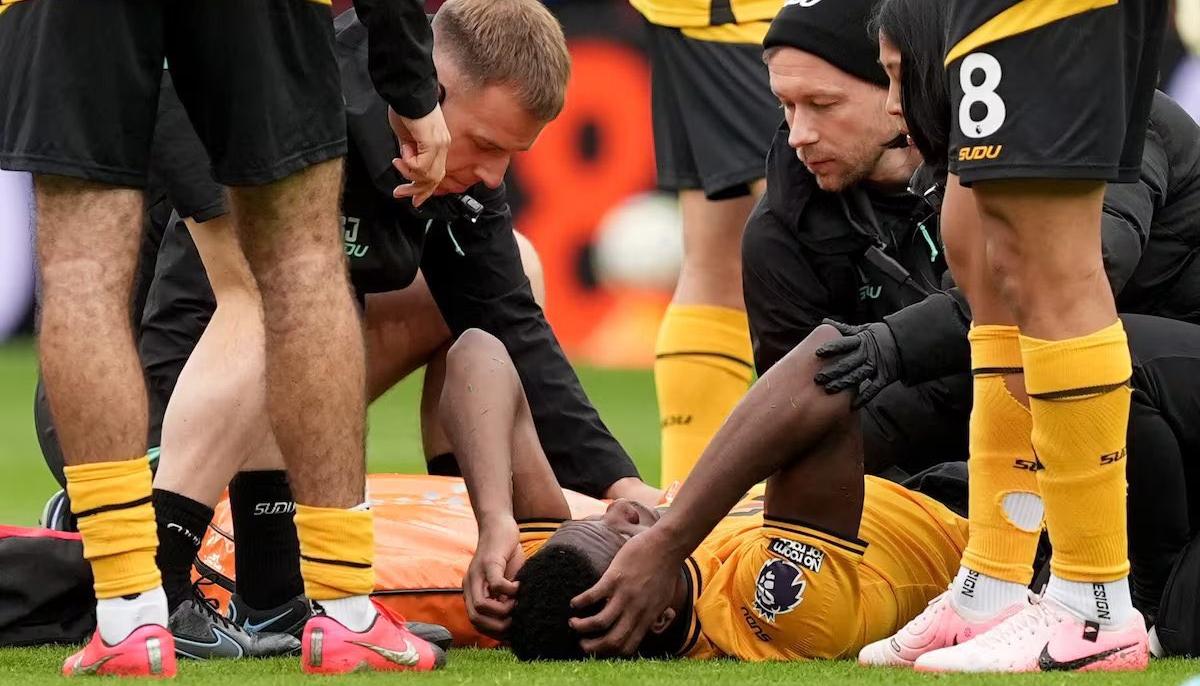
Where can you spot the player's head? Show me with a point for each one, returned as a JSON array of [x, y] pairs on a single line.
[[824, 69], [504, 67], [912, 41], [571, 562]]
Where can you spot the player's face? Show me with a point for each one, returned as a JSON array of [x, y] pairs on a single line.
[[889, 57], [838, 125], [487, 126], [601, 536]]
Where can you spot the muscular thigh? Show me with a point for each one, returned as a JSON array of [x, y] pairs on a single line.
[[88, 237]]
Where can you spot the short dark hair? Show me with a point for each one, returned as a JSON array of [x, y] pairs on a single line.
[[918, 30], [547, 583], [517, 43]]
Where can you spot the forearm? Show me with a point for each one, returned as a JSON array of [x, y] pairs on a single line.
[[781, 418], [400, 46], [478, 409]]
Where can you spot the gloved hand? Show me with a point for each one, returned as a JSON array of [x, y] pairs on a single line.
[[865, 358]]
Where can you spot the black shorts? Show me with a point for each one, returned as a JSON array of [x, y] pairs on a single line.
[[1037, 91], [81, 82], [179, 165], [713, 113]]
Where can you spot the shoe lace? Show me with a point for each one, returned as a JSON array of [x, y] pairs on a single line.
[[210, 605], [1027, 621], [393, 616]]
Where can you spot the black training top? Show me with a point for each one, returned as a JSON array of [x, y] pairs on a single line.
[[854, 256], [401, 54]]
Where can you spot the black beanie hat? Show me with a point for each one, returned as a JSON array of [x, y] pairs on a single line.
[[834, 30]]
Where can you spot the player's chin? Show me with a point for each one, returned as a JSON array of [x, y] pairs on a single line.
[[832, 182]]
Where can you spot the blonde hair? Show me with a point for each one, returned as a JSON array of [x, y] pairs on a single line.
[[517, 43]]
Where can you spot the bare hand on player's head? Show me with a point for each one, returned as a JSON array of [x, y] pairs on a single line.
[[635, 588], [488, 587], [424, 143]]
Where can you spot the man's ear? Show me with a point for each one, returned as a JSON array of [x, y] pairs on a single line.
[[664, 620]]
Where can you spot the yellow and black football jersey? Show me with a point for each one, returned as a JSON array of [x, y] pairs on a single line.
[[768, 589], [724, 21]]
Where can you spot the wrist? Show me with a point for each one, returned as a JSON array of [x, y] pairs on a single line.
[[670, 538], [495, 521]]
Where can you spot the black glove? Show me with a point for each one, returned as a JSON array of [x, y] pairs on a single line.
[[865, 358]]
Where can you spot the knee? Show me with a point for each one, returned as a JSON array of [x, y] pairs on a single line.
[[1005, 262], [532, 264], [472, 346]]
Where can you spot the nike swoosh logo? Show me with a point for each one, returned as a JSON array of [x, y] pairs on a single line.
[[409, 657], [1049, 664], [222, 645], [81, 670], [255, 627]]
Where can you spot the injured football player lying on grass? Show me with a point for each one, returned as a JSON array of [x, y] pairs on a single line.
[[824, 562]]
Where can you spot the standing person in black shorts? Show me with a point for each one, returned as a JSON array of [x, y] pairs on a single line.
[[260, 84], [713, 119], [496, 101], [1047, 102]]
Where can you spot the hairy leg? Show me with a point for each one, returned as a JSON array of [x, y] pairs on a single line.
[[315, 355], [87, 247]]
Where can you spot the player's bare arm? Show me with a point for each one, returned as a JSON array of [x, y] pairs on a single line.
[[779, 430], [487, 419]]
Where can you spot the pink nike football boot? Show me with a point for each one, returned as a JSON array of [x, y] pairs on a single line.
[[1046, 637], [940, 625], [148, 652], [327, 647]]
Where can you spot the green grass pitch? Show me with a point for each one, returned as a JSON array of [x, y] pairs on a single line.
[[625, 400]]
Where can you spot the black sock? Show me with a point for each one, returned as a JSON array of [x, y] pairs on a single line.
[[266, 551], [182, 523], [445, 464]]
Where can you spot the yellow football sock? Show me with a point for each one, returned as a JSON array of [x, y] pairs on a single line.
[[337, 551], [1079, 394], [1002, 468], [112, 501], [703, 366]]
